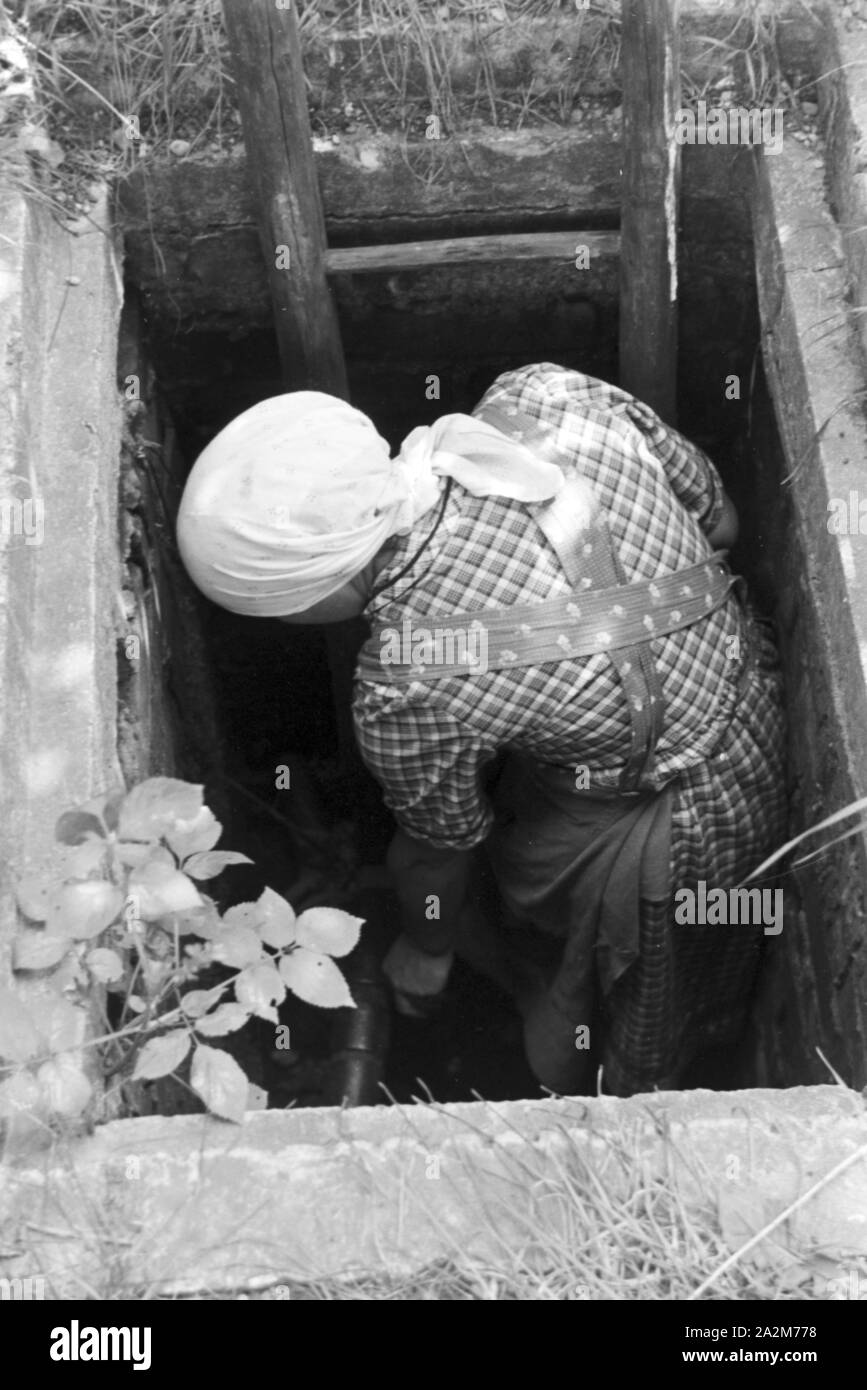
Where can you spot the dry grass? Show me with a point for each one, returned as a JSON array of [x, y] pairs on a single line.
[[512, 63], [746, 63], [98, 62], [628, 1217], [372, 64]]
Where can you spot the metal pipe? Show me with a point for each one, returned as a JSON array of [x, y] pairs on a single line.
[[360, 1036]]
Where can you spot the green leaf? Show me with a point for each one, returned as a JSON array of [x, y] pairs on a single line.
[[161, 854], [276, 924], [228, 1018], [83, 910], [328, 929], [315, 979], [64, 1086], [198, 956], [80, 861], [159, 888], [59, 1023], [162, 1055], [213, 862], [203, 921], [220, 1082], [38, 950], [197, 1001], [195, 836], [238, 947], [132, 855], [155, 807], [33, 896], [73, 827], [259, 988], [19, 1036], [106, 808], [19, 1094], [104, 965], [250, 915]]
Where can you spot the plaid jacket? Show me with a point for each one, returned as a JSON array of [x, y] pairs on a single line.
[[428, 743]]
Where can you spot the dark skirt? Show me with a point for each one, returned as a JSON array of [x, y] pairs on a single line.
[[595, 875]]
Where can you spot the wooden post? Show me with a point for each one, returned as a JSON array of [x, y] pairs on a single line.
[[266, 54], [650, 68], [272, 98]]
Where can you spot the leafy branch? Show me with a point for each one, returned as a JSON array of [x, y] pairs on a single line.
[[124, 911]]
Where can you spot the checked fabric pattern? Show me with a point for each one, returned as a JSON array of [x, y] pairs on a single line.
[[721, 748], [428, 743]]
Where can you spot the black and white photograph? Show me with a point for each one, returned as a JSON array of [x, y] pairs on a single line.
[[433, 670]]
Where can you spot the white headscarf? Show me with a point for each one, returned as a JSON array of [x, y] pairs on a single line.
[[295, 496]]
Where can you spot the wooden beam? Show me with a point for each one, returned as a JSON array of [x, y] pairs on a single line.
[[468, 250], [650, 70], [266, 56], [272, 98]]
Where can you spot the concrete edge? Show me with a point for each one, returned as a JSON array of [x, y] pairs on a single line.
[[59, 576], [844, 108], [818, 398], [194, 1205]]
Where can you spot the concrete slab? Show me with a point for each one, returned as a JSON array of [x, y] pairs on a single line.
[[60, 295], [190, 1204], [843, 106], [816, 374]]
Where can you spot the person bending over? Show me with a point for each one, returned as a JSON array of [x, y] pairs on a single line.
[[561, 669]]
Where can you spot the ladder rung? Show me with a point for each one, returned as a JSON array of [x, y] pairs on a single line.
[[523, 246]]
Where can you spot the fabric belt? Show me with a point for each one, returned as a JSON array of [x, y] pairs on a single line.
[[493, 639]]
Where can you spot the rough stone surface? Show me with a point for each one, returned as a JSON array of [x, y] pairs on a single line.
[[843, 106], [816, 992], [559, 51], [167, 698], [181, 217], [191, 1204], [60, 294], [452, 186], [193, 252], [185, 220]]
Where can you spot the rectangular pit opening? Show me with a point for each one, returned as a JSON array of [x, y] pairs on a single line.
[[271, 685], [202, 321], [233, 703]]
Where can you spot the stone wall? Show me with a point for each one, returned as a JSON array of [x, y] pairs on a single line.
[[815, 991], [60, 591], [167, 709], [196, 1206]]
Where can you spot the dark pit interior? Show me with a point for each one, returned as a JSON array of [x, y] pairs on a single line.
[[277, 702]]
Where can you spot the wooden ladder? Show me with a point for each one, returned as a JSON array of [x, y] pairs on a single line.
[[266, 51]]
